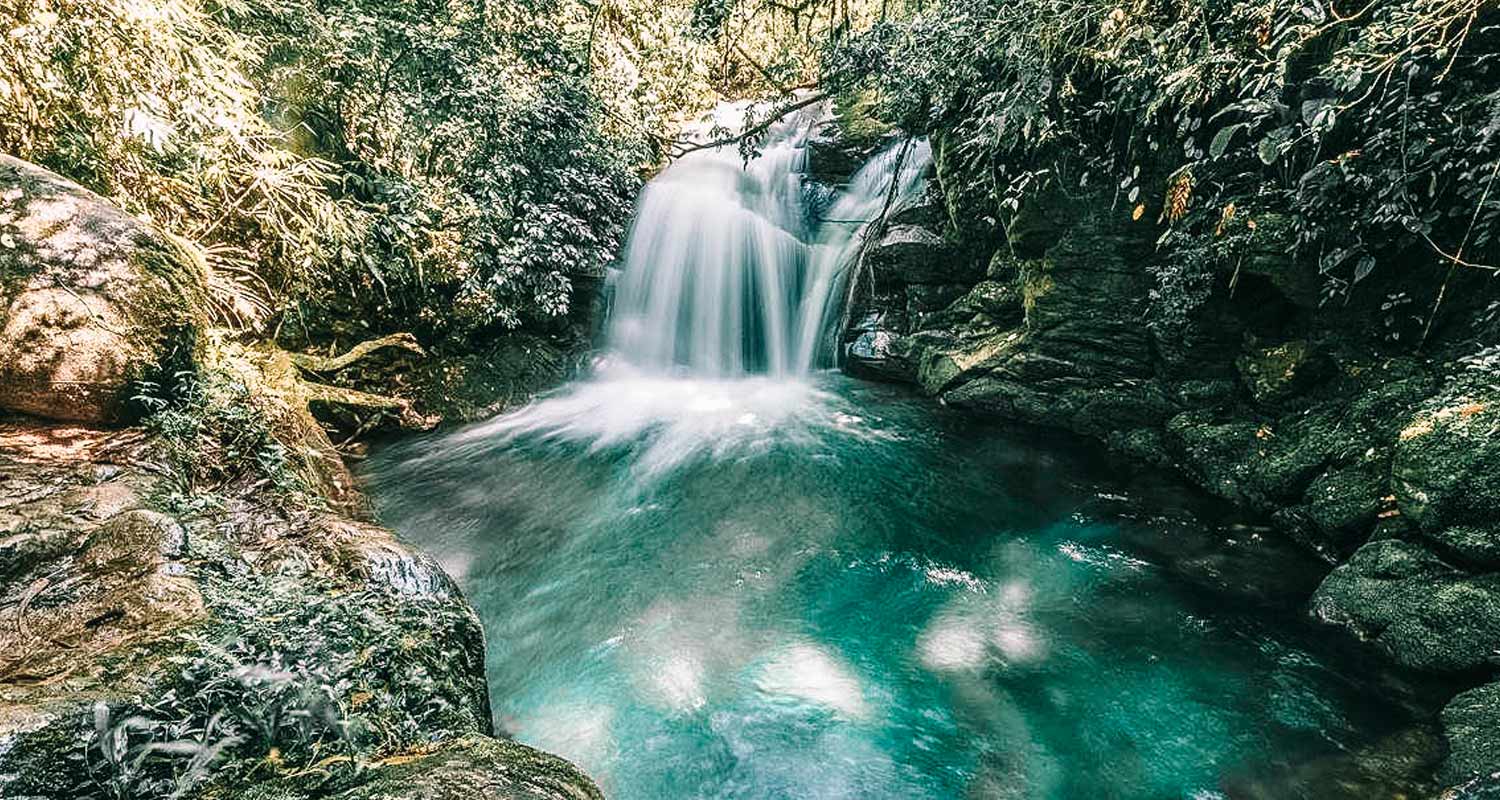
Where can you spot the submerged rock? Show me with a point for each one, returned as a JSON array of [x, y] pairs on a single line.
[[91, 299]]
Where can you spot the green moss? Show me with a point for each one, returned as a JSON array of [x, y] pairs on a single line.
[[856, 114]]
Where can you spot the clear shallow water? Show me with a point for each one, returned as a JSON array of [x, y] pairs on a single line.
[[747, 588]]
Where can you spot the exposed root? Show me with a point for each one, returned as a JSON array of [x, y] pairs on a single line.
[[312, 363]]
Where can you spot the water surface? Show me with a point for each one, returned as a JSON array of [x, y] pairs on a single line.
[[818, 588]]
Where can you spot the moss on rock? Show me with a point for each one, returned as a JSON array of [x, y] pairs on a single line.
[[91, 299], [1420, 610]]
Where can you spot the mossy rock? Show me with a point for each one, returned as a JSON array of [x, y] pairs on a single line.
[[1471, 721], [470, 768], [1419, 609], [92, 300], [1273, 374], [1447, 458]]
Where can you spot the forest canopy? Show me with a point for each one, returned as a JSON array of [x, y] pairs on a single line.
[[459, 165]]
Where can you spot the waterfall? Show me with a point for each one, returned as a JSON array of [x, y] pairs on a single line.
[[726, 272], [729, 297]]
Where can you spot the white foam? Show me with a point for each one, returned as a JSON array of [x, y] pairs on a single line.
[[810, 673]]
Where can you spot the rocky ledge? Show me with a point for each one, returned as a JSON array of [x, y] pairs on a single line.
[[192, 602]]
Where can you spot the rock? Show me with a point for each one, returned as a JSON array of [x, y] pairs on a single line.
[[1482, 788], [1445, 463], [876, 349], [909, 254], [989, 307], [1273, 374], [832, 157], [126, 619], [91, 299], [927, 212], [1471, 721], [1417, 608], [1255, 465], [473, 768], [1269, 259], [942, 363], [1339, 507], [925, 300], [1474, 545]]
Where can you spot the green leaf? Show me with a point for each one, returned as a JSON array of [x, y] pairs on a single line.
[[1270, 148], [1223, 139]]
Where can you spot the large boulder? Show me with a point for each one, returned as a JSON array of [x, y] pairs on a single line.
[[91, 299], [1444, 471], [1417, 608], [228, 647]]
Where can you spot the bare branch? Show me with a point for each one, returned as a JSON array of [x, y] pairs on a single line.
[[688, 147], [312, 363]]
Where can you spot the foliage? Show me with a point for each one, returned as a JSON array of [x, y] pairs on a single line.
[[1374, 127], [308, 682], [213, 433], [409, 158]]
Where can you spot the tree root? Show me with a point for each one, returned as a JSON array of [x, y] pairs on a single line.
[[312, 363], [400, 408]]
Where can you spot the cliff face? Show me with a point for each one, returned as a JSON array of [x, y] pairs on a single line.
[[198, 608], [1323, 420]]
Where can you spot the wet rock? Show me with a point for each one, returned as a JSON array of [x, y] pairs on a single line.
[[832, 157], [876, 350], [927, 212], [91, 299], [1483, 788], [1471, 721], [909, 254], [1417, 608], [989, 307], [943, 362], [925, 300]]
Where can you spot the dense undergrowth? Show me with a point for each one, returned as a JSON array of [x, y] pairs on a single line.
[[1360, 138], [440, 166], [312, 684]]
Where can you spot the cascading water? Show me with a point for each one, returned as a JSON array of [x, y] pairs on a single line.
[[712, 571], [729, 296], [724, 271]]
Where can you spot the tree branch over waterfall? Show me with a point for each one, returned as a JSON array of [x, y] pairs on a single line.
[[750, 134]]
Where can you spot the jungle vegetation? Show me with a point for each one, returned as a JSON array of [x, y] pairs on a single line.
[[453, 166]]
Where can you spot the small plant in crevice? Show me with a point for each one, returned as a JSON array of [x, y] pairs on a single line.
[[213, 434], [1398, 318]]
